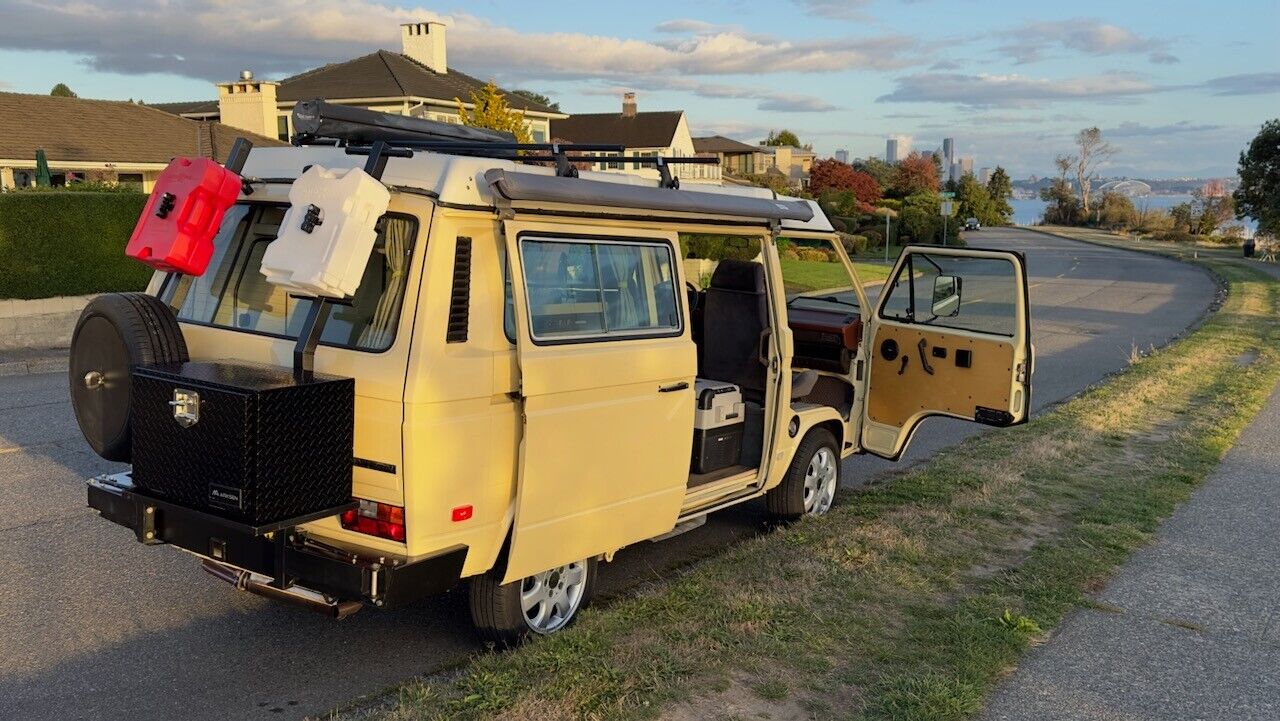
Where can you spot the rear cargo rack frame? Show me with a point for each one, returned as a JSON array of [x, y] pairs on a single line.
[[279, 551]]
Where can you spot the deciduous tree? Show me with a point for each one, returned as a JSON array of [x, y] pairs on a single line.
[[782, 137], [62, 91], [1258, 196], [975, 202], [877, 168], [915, 173], [491, 111], [833, 175], [1212, 207], [1093, 150]]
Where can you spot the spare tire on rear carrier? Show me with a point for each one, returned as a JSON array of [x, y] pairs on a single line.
[[116, 333]]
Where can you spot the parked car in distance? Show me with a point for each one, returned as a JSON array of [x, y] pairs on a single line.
[[972, 224]]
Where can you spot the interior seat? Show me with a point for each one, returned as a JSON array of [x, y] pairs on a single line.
[[735, 317]]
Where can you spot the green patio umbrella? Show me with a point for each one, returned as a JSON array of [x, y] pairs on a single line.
[[43, 177]]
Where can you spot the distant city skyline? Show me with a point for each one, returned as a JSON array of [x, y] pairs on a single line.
[[1179, 92]]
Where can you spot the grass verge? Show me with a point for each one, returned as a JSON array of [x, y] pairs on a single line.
[[804, 275], [909, 600]]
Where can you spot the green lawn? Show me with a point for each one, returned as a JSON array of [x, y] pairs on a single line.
[[802, 275], [910, 599]]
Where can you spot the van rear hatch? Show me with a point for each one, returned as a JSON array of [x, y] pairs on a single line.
[[231, 313]]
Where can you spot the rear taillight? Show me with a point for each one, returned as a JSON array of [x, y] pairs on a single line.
[[376, 519]]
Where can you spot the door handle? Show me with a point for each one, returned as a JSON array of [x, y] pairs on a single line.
[[673, 387], [924, 357]]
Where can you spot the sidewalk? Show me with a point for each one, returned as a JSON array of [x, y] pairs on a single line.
[[1189, 628]]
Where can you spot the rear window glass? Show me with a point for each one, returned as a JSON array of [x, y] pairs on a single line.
[[233, 293]]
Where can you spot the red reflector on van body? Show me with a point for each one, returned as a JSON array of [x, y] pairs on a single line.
[[462, 513], [183, 215], [376, 519]]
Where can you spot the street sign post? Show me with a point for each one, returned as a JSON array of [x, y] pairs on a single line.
[[945, 211]]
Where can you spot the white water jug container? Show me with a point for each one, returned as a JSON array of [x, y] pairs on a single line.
[[328, 233]]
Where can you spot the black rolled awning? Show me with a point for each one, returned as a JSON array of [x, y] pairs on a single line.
[[554, 189]]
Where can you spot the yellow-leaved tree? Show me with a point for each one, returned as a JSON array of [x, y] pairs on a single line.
[[491, 111]]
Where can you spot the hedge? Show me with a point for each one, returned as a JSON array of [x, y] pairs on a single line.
[[59, 243]]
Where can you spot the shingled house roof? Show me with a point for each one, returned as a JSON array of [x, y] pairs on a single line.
[[641, 130], [721, 144], [383, 74], [387, 74], [81, 130]]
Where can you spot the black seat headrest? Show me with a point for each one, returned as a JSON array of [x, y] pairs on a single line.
[[745, 276]]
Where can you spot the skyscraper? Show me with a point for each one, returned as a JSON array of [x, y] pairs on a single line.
[[984, 176], [948, 151], [842, 155], [891, 150]]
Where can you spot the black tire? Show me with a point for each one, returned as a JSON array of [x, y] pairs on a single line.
[[786, 501], [117, 332], [497, 614]]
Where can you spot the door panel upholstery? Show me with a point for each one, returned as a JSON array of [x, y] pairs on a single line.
[[895, 399]]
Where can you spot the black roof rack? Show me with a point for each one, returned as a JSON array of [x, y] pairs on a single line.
[[359, 130]]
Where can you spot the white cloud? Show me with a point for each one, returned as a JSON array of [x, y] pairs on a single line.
[[1088, 36], [986, 90], [280, 38], [770, 100], [835, 9], [1134, 130], [1246, 84]]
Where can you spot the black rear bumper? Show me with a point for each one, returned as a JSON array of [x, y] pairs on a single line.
[[280, 551]]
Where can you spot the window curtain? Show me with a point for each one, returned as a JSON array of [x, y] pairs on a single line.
[[381, 329], [624, 307]]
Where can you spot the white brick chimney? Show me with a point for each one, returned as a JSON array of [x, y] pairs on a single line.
[[249, 104], [425, 43]]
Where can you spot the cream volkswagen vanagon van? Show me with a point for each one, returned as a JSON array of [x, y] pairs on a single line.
[[539, 367]]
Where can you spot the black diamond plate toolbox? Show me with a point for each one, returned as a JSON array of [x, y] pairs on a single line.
[[244, 442]]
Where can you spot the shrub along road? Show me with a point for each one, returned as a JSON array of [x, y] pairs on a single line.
[[97, 626]]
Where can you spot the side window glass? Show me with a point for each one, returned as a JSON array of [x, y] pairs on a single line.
[[962, 293], [702, 252], [581, 290]]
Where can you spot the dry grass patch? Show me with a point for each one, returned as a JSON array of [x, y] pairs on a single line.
[[911, 598]]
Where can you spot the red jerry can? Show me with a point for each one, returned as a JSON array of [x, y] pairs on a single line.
[[183, 214]]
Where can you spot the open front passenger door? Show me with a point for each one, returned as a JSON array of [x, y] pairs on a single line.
[[950, 336]]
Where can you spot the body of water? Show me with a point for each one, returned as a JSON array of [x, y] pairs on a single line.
[[1031, 211]]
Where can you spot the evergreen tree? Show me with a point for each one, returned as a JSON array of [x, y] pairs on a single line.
[[491, 111], [1000, 188], [62, 91]]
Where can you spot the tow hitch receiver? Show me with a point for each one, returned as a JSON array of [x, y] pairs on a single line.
[[261, 585]]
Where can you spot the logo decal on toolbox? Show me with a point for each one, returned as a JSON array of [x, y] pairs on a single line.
[[225, 496]]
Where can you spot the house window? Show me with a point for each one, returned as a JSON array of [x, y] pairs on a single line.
[[282, 127], [615, 164], [130, 180]]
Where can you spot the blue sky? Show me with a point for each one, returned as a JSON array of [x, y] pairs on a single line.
[[1179, 86]]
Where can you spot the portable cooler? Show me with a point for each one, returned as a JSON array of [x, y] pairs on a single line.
[[717, 425]]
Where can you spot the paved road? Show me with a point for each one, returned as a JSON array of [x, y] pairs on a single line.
[[94, 625]]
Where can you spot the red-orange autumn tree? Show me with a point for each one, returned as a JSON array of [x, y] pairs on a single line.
[[916, 173], [833, 175]]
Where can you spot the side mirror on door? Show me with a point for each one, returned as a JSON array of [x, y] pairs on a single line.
[[946, 296]]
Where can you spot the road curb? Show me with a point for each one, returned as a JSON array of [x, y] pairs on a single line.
[[54, 360]]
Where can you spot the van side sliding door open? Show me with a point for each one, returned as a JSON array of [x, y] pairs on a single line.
[[950, 336], [607, 365]]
